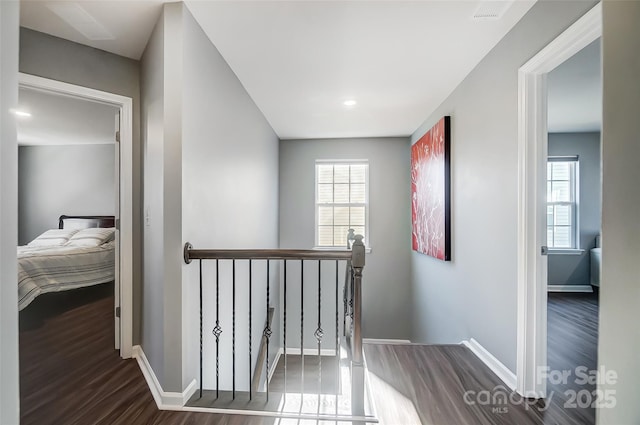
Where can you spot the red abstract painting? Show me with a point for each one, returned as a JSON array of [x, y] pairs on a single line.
[[430, 193]]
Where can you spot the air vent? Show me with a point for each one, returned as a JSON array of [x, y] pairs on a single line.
[[80, 20], [491, 10]]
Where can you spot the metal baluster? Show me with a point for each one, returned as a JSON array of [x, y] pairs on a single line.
[[285, 328], [267, 334], [319, 333], [344, 300], [233, 331], [250, 375], [200, 266], [351, 287], [217, 331], [337, 340], [301, 330]]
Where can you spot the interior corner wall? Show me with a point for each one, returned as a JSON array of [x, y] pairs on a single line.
[[619, 338], [161, 311], [386, 277], [57, 59], [229, 200], [9, 368], [475, 295]]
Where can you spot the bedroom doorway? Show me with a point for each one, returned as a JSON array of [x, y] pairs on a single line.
[[120, 126], [531, 355]]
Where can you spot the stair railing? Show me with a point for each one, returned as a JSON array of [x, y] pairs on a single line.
[[355, 258]]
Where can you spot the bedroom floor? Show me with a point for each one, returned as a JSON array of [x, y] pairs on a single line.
[[572, 342], [70, 374]]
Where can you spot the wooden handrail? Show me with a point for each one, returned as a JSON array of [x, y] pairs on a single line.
[[262, 254]]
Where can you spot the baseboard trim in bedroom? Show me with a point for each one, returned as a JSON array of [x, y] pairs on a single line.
[[165, 400], [496, 366], [569, 288]]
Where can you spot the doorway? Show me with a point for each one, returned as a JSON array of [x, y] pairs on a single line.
[[532, 194], [123, 332], [574, 221]]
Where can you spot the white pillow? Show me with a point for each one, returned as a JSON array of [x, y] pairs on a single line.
[[92, 237], [53, 237]]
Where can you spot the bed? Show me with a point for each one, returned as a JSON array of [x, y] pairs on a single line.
[[80, 253]]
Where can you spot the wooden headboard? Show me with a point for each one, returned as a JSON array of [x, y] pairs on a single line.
[[85, 221]]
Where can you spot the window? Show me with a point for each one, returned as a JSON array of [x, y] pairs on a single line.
[[342, 201], [562, 204]]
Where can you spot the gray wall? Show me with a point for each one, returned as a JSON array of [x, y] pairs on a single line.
[[62, 60], [9, 370], [574, 269], [475, 295], [153, 300], [211, 178], [386, 290], [619, 342], [55, 180], [229, 199]]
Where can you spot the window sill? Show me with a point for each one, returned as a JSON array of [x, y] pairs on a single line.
[[337, 248], [565, 251]]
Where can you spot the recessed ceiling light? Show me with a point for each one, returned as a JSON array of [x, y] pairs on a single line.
[[349, 102], [21, 113]]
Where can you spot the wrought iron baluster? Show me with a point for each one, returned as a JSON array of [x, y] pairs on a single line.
[[250, 375], [345, 311], [233, 330], [337, 339], [200, 267], [285, 328], [267, 334], [217, 330], [302, 330], [351, 296], [319, 333]]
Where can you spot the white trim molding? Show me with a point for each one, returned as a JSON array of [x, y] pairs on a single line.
[[532, 159], [310, 351], [273, 366], [569, 288], [165, 400], [496, 366], [125, 104], [386, 341], [177, 401]]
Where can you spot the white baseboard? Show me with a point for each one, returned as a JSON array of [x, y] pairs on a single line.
[[165, 400], [385, 341], [569, 288], [274, 364], [496, 366], [311, 351]]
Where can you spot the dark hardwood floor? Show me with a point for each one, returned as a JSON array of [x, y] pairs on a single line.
[[572, 349], [70, 374]]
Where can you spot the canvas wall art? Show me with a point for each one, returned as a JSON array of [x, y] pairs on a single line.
[[430, 192]]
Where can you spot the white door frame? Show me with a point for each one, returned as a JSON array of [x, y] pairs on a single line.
[[125, 104], [532, 174]]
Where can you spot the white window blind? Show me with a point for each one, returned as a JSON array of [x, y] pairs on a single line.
[[342, 201], [562, 205]]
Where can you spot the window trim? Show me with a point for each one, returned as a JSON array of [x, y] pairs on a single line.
[[366, 204], [575, 204]]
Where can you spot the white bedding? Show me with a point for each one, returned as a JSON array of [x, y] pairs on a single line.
[[59, 268]]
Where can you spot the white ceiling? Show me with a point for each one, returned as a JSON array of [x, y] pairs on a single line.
[[300, 60], [129, 22], [63, 120], [575, 93]]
